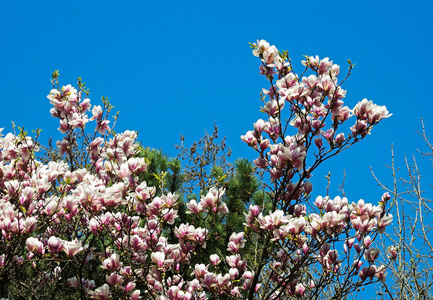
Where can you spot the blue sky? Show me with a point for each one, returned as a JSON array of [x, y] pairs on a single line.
[[173, 67]]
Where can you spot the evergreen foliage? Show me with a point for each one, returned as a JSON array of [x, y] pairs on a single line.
[[206, 164]]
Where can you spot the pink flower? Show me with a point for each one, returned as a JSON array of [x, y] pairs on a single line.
[[385, 197], [308, 187], [169, 215], [358, 264], [251, 217], [103, 127], [311, 62], [357, 248], [300, 290], [360, 128], [101, 293], [234, 261], [367, 272], [29, 224], [55, 245], [208, 280], [235, 292], [319, 202], [237, 239], [259, 126], [112, 263], [72, 248], [270, 55], [135, 295], [96, 112], [383, 222], [78, 121], [200, 270], [130, 286], [362, 108], [114, 279], [367, 241], [73, 282], [327, 84], [310, 81], [272, 107], [34, 245], [260, 162], [343, 115], [380, 273], [64, 126], [212, 201], [300, 210], [173, 292], [339, 139], [324, 65], [158, 258], [371, 254], [273, 220], [193, 207], [328, 134], [93, 225], [85, 105], [377, 113], [350, 242], [250, 139], [234, 273], [260, 47], [264, 144], [214, 259]]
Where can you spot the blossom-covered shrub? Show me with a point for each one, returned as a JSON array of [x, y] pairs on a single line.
[[84, 225]]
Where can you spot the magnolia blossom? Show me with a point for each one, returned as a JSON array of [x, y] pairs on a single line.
[[371, 254], [55, 245], [158, 258], [250, 139], [34, 245], [101, 293], [114, 279], [72, 248], [112, 263], [214, 259]]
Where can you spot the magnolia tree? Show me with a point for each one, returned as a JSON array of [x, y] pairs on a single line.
[[84, 225]]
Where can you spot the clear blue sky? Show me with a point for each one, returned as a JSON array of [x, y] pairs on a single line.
[[174, 67]]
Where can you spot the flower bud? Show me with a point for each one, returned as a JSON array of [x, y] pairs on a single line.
[[214, 259], [318, 141], [308, 187]]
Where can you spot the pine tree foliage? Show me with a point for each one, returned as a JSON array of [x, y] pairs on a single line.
[[206, 164], [164, 172]]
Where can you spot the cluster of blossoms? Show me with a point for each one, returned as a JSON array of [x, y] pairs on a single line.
[[62, 222], [97, 230], [316, 112], [311, 101]]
